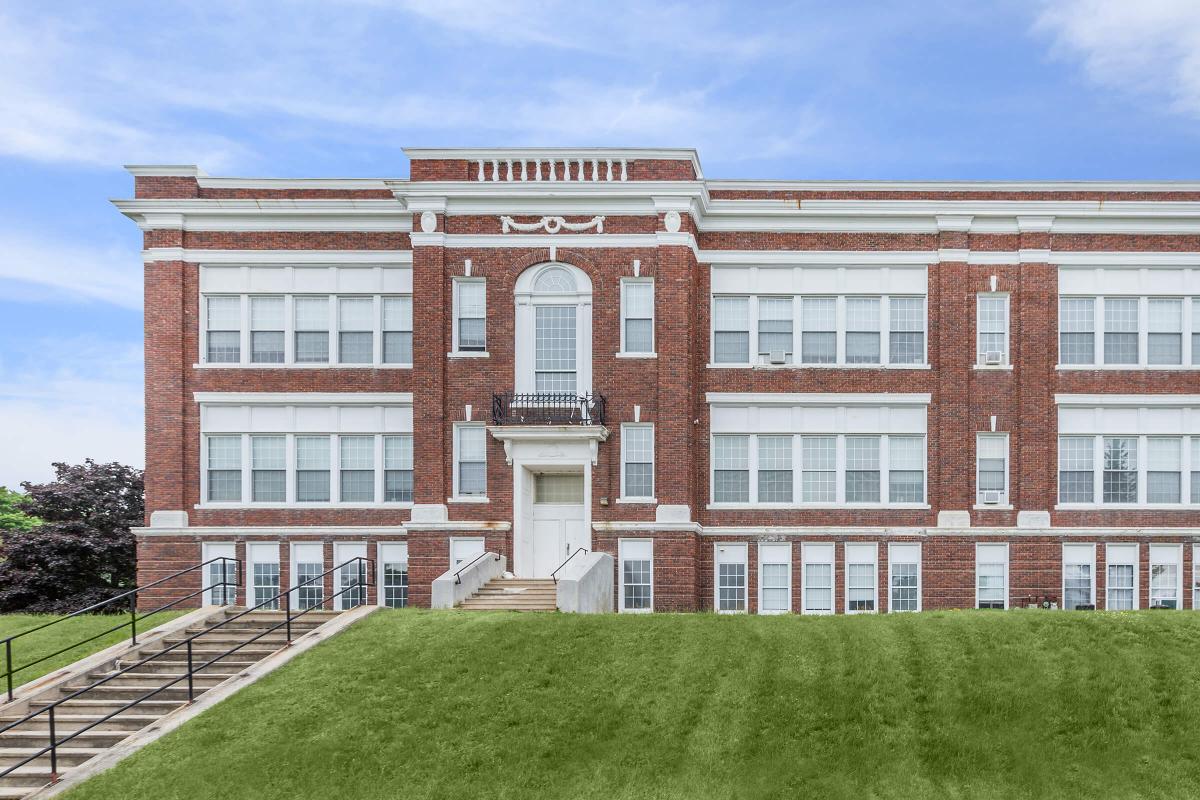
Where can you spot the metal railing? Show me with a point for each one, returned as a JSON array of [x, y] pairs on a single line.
[[554, 575], [458, 573], [131, 623], [365, 580], [548, 408]]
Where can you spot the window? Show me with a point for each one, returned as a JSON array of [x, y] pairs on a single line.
[[637, 574], [818, 330], [1164, 477], [1195, 331], [861, 583], [862, 469], [774, 469], [1196, 576], [558, 488], [224, 330], [312, 469], [221, 575], [470, 453], [224, 469], [731, 578], [357, 468], [1120, 330], [308, 565], [904, 568], [637, 316], [1076, 469], [312, 330], [775, 329], [1079, 581], [554, 354], [731, 469], [731, 330], [470, 318], [906, 469], [1166, 573], [1121, 584], [1195, 476], [992, 329], [393, 560], [1077, 330], [268, 462], [264, 575], [1120, 470], [991, 576], [352, 576], [817, 578], [398, 469], [907, 336], [356, 326], [774, 578], [818, 459], [991, 468], [1164, 342], [637, 458], [862, 330], [397, 330], [266, 330]]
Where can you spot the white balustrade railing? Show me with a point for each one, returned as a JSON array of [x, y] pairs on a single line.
[[555, 169]]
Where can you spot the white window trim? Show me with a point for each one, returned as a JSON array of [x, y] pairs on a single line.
[[456, 282], [1004, 503], [380, 547], [920, 575], [1137, 571], [874, 576], [840, 330], [289, 332], [525, 326], [1063, 583], [294, 577], [1007, 571], [621, 576], [653, 351], [456, 497], [1006, 361], [804, 562], [209, 551], [251, 547], [1143, 362], [468, 539], [1195, 577], [790, 561], [628, 498], [1143, 468], [745, 562], [1179, 581], [797, 470], [290, 502]]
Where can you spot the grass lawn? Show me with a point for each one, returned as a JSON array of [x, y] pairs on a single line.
[[35, 645], [418, 704]]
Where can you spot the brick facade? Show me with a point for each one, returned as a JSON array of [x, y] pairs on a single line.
[[1017, 248]]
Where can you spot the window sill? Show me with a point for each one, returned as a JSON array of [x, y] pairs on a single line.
[[1127, 367], [469, 354], [816, 506], [1127, 507], [636, 610], [302, 366], [820, 366], [468, 500], [636, 355], [993, 367], [991, 507], [296, 505], [636, 501]]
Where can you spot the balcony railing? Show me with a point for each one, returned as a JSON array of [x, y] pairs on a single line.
[[547, 408]]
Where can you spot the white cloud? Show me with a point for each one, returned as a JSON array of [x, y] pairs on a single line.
[[44, 268], [67, 400], [1148, 47]]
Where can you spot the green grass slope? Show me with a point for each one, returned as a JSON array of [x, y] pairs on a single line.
[[35, 645], [412, 704]]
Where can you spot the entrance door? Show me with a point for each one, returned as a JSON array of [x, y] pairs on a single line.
[[558, 527]]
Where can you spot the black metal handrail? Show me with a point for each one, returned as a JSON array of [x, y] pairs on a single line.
[[548, 408], [366, 575], [458, 574], [553, 575], [131, 623]]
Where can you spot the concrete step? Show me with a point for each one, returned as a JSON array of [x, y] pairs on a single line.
[[68, 756], [41, 738], [229, 665], [482, 605], [490, 592], [23, 780], [138, 678], [125, 693], [69, 723], [99, 707]]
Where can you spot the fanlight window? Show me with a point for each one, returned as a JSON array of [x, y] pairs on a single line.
[[554, 281]]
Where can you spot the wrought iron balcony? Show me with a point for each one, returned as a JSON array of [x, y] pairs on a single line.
[[547, 408]]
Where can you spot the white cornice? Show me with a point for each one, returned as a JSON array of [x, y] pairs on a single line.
[[544, 240], [304, 398], [278, 184], [816, 399], [274, 531], [1129, 400], [952, 186], [1123, 258], [164, 170], [268, 214], [815, 257], [283, 257], [503, 154]]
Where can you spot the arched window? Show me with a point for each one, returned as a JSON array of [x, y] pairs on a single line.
[[554, 330]]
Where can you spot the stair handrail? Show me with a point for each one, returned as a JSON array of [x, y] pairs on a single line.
[[366, 576], [131, 623], [463, 568], [553, 575]]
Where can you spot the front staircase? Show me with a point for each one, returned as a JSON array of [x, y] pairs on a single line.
[[28, 738], [514, 594]]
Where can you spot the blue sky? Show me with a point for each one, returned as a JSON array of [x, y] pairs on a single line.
[[1081, 89]]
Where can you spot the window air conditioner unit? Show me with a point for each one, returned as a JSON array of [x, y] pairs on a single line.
[[993, 357], [991, 498], [777, 357]]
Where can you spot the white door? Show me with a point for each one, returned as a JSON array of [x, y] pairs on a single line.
[[350, 575], [308, 564], [220, 576], [262, 575], [558, 520], [464, 550]]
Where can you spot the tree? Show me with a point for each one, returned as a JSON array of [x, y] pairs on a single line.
[[83, 551], [12, 512]]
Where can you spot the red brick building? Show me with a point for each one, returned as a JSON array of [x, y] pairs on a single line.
[[758, 396]]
